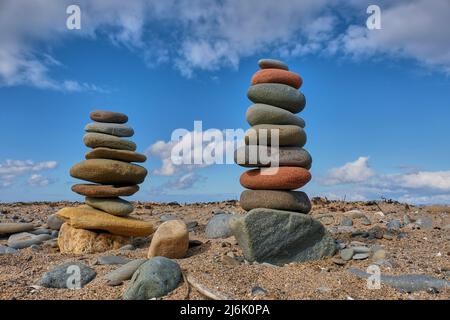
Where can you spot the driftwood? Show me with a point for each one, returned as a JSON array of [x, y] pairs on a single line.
[[207, 292]]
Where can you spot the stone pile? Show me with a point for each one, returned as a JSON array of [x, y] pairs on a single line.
[[277, 228], [103, 223]]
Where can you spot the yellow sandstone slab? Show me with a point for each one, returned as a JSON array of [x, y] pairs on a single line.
[[85, 217]]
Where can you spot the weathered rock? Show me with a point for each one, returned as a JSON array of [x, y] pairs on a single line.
[[41, 231], [108, 116], [282, 178], [250, 156], [124, 272], [219, 226], [296, 201], [266, 114], [154, 278], [54, 222], [171, 240], [346, 254], [84, 217], [424, 222], [277, 76], [61, 277], [269, 134], [361, 249], [280, 237], [115, 154], [278, 95], [97, 140], [114, 206], [115, 129], [25, 240], [104, 191], [9, 228], [394, 225], [272, 64], [7, 250], [346, 222], [111, 260], [360, 256], [109, 172], [80, 241]]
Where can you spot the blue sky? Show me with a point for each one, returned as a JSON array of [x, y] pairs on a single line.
[[377, 101]]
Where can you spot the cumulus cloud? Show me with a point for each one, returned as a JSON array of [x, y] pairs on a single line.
[[351, 172], [38, 180], [10, 170]]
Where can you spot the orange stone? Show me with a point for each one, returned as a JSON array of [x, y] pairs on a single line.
[[277, 76], [275, 178]]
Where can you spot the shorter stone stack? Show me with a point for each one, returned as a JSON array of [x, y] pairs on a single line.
[[277, 228], [102, 223]]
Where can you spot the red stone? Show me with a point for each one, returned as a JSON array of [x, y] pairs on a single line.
[[277, 76], [281, 178]]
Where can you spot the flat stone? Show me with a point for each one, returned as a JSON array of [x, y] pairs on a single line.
[[112, 260], [41, 231], [296, 201], [360, 256], [266, 134], [281, 178], [394, 225], [115, 129], [167, 217], [250, 156], [108, 116], [25, 240], [54, 222], [171, 240], [84, 217], [361, 249], [114, 206], [266, 114], [279, 237], [278, 95], [273, 75], [61, 276], [115, 154], [7, 250], [338, 261], [124, 272], [9, 228], [104, 191], [219, 226], [106, 171], [424, 222], [272, 64], [154, 278], [346, 254], [96, 140], [81, 241]]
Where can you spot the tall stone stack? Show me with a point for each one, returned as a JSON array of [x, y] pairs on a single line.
[[277, 228], [103, 222]]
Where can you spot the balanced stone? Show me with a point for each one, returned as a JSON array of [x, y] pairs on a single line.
[[8, 228], [263, 134], [115, 129], [115, 154], [282, 178], [266, 114], [277, 76], [85, 217], [250, 156], [280, 237], [296, 201], [114, 206], [80, 241], [171, 240], [272, 64], [278, 95], [104, 191], [96, 140], [108, 116], [107, 171]]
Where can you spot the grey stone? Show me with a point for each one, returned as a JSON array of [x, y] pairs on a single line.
[[286, 135], [191, 225], [219, 226], [124, 272], [424, 222], [55, 234], [361, 249], [249, 156], [25, 239], [95, 140], [58, 277], [296, 201], [9, 228], [346, 254], [167, 217], [265, 114], [406, 219], [394, 225], [366, 221], [272, 64], [280, 237], [346, 222], [114, 206], [41, 231], [278, 95], [127, 247], [154, 278], [115, 129], [111, 259], [7, 250], [407, 282], [360, 256], [257, 290], [35, 247], [54, 222]]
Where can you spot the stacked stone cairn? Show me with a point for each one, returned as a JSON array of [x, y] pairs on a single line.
[[277, 228], [103, 222]]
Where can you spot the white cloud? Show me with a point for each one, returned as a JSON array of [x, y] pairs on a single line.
[[10, 170], [37, 180], [438, 180], [352, 172]]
